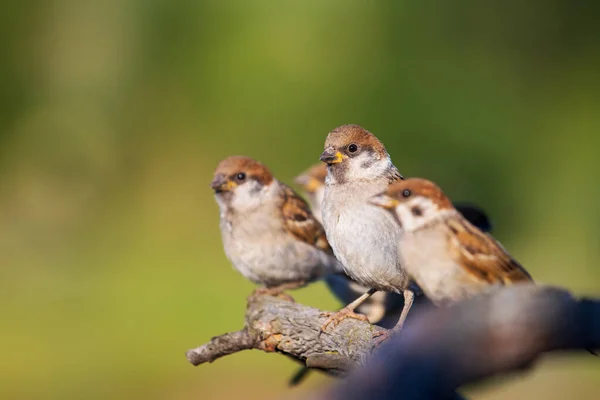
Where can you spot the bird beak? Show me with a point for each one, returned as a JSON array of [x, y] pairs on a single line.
[[330, 156], [384, 201], [221, 184]]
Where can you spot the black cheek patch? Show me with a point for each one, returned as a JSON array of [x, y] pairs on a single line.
[[416, 211], [257, 185], [367, 164], [370, 159]]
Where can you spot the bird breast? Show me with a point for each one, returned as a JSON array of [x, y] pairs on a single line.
[[363, 237], [260, 249]]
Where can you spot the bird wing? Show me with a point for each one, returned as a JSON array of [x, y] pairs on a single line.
[[482, 256], [393, 175], [301, 223]]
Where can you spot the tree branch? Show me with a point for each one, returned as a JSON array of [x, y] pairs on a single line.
[[220, 346], [439, 349], [274, 324]]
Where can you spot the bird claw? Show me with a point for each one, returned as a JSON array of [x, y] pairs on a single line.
[[381, 336], [336, 317]]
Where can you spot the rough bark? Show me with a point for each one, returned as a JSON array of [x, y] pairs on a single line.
[[276, 324], [438, 350]]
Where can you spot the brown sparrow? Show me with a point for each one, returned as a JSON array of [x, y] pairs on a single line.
[[380, 304], [269, 234], [363, 237], [448, 257]]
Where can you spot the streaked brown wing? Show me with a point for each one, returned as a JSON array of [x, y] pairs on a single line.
[[301, 223], [482, 256]]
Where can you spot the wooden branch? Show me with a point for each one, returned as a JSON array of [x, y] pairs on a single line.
[[438, 351], [220, 346], [276, 324]]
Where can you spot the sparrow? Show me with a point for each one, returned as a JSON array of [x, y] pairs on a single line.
[[381, 308], [269, 233], [380, 304], [364, 237], [448, 257]]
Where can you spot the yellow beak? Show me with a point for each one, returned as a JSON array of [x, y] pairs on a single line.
[[384, 201], [222, 184], [330, 156]]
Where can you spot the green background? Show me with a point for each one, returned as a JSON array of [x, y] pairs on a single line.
[[113, 115]]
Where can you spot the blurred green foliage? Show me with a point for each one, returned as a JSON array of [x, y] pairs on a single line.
[[114, 113]]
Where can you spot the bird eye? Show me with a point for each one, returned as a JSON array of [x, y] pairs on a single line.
[[241, 176], [352, 148], [406, 193]]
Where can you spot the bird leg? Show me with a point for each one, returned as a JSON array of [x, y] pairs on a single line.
[[409, 297], [382, 336], [347, 312]]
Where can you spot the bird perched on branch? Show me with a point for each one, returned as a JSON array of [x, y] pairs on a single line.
[[269, 233], [364, 237], [448, 257], [380, 304]]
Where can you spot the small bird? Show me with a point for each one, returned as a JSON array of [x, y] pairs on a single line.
[[269, 233], [380, 304], [448, 257], [364, 237]]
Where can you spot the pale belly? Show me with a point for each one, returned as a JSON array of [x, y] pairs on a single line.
[[365, 239], [272, 261]]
